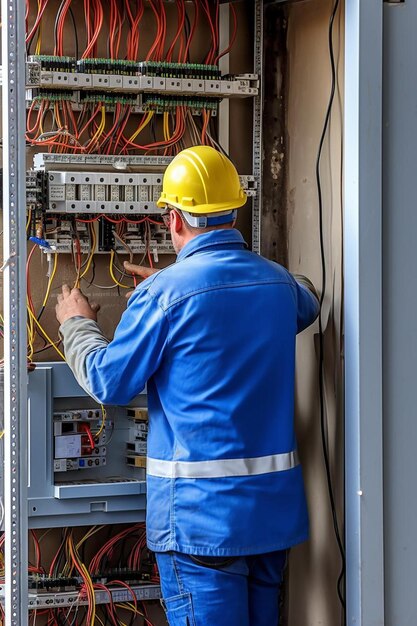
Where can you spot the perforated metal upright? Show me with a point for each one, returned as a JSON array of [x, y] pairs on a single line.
[[15, 369], [257, 127]]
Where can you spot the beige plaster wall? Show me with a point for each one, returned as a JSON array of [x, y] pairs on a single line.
[[315, 566]]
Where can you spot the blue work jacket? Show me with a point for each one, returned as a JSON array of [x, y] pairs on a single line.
[[213, 335]]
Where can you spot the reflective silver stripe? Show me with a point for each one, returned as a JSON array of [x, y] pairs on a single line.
[[221, 468]]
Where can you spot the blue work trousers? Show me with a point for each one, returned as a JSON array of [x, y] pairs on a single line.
[[216, 591]]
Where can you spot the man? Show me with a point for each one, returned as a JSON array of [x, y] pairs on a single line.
[[213, 335]]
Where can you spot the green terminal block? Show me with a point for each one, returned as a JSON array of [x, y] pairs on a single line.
[[162, 104], [53, 95], [50, 63], [198, 71], [107, 66], [108, 99]]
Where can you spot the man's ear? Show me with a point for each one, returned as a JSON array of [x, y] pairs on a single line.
[[176, 221]]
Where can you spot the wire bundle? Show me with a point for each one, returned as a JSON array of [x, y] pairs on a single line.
[[109, 126], [122, 555]]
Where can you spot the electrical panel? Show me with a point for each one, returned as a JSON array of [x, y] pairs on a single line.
[[87, 463], [111, 97]]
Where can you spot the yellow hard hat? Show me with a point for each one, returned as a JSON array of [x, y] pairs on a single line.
[[202, 180]]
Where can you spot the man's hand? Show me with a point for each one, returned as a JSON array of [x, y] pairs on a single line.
[[72, 303], [138, 270]]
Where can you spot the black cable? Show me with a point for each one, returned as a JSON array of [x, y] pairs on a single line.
[[323, 417]]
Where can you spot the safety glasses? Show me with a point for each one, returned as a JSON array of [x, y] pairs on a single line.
[[166, 217]]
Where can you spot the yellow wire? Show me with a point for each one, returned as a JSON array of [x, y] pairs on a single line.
[[101, 127], [142, 126], [88, 581], [93, 530], [166, 131], [29, 219], [112, 272], [44, 333], [39, 38], [103, 422], [31, 333], [50, 280], [57, 115], [41, 117], [2, 434], [93, 249], [128, 606]]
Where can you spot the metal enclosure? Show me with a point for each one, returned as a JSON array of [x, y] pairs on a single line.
[[381, 349], [399, 317], [363, 314]]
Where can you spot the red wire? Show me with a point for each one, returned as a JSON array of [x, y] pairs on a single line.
[[98, 23], [210, 56], [150, 259], [193, 29], [163, 30], [181, 20], [37, 22], [233, 37], [158, 32], [78, 252], [84, 428]]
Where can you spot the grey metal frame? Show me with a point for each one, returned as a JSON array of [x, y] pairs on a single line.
[[257, 128], [224, 107], [15, 368], [363, 313]]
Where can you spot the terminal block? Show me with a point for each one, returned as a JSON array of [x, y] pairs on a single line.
[[61, 235], [179, 70], [108, 99], [161, 104], [49, 63], [107, 66], [36, 191], [123, 76], [140, 238], [43, 599], [52, 95]]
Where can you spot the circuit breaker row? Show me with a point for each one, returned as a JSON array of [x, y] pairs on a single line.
[[79, 192], [81, 438], [78, 442], [101, 192]]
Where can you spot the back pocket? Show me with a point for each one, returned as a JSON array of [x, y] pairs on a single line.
[[179, 610]]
